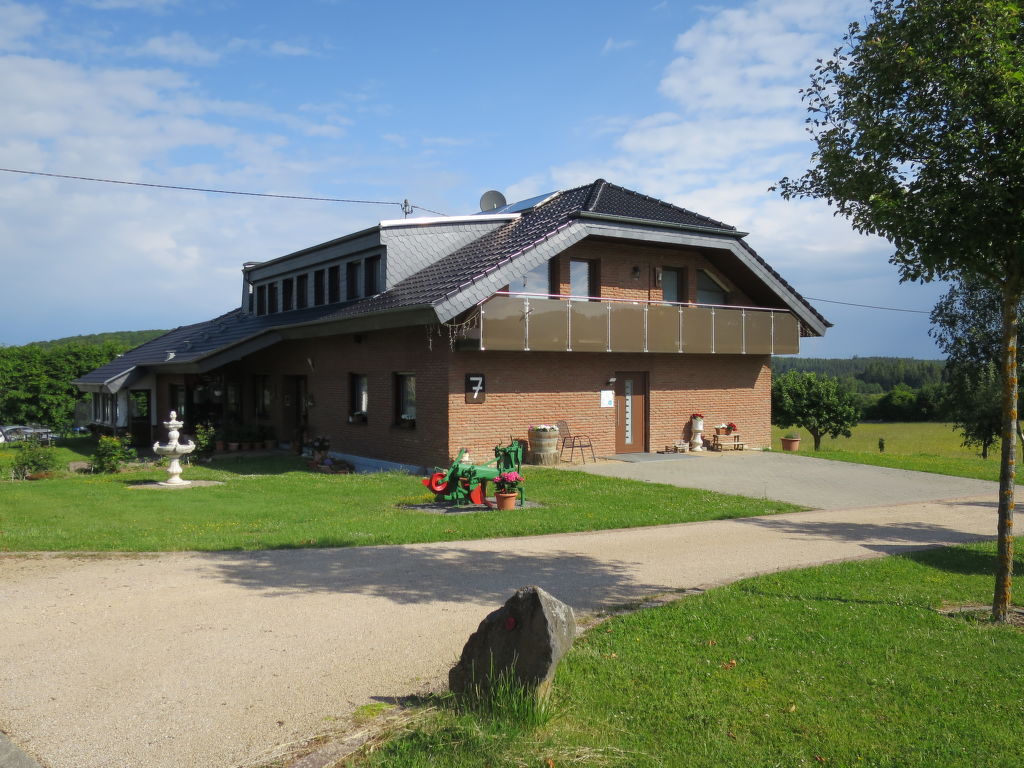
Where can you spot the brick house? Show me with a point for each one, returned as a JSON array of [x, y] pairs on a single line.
[[407, 341]]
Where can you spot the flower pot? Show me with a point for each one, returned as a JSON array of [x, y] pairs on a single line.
[[232, 446], [721, 431], [269, 445], [544, 447], [790, 443], [506, 501], [220, 446]]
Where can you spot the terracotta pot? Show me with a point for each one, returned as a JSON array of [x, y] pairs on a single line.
[[233, 446], [220, 446], [790, 443], [506, 501], [269, 445]]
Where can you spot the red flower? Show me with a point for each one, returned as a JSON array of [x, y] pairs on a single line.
[[510, 623]]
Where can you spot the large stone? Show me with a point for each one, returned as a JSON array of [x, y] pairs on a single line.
[[527, 637]]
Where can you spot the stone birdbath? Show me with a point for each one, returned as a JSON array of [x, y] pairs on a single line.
[[174, 450]]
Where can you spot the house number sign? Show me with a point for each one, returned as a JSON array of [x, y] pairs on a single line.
[[475, 391]]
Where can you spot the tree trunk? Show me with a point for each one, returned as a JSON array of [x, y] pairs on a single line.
[[1008, 468], [817, 440]]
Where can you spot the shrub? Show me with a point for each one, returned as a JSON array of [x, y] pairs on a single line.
[[32, 457], [111, 454], [203, 438]]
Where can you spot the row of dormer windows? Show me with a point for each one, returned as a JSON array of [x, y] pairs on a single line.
[[362, 277]]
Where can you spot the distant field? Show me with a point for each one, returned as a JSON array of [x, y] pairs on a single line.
[[919, 446], [900, 438]]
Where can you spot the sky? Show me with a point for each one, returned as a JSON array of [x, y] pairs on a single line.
[[435, 103]]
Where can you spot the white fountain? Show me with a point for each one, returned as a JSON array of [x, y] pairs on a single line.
[[175, 451]]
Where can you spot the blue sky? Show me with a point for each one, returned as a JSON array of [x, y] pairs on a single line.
[[697, 104]]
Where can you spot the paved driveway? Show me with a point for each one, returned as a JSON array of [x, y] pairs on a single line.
[[213, 660], [814, 483]]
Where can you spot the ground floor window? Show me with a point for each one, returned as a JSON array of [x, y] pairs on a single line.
[[263, 396], [359, 398], [405, 399]]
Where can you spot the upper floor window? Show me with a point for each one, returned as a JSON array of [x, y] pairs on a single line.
[[333, 284], [302, 291], [288, 294], [353, 279], [541, 279], [371, 270], [318, 287], [583, 278], [272, 298], [261, 300], [709, 290], [673, 285]]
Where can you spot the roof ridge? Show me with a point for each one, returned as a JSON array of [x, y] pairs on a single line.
[[595, 194], [666, 204]]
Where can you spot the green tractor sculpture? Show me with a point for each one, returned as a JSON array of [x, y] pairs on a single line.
[[463, 483]]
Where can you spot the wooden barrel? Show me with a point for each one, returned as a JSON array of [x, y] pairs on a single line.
[[544, 447]]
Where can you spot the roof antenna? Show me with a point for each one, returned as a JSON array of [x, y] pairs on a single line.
[[492, 200], [406, 208]]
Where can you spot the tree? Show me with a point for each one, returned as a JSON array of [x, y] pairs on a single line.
[[918, 122], [816, 403], [966, 326]]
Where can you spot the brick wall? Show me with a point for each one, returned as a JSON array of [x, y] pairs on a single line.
[[525, 388]]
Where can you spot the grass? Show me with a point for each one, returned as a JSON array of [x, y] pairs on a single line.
[[276, 503], [842, 665], [918, 446]]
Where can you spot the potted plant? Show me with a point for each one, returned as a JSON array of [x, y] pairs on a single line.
[[320, 446], [722, 429], [791, 441], [730, 428], [508, 485], [267, 435]]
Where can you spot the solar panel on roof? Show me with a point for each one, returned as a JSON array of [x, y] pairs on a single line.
[[522, 205]]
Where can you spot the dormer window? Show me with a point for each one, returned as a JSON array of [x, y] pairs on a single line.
[[288, 294], [372, 273], [302, 291], [261, 300], [353, 279], [333, 284], [318, 288]]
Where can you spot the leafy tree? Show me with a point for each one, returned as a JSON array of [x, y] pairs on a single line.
[[918, 121], [966, 326], [816, 403]]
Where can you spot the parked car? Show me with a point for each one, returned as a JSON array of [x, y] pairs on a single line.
[[15, 432]]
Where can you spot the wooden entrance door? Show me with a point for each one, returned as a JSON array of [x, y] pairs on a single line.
[[630, 412]]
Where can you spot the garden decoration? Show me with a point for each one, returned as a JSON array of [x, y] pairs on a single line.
[[174, 450], [696, 431], [464, 483]]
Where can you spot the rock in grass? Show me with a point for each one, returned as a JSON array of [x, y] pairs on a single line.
[[525, 638]]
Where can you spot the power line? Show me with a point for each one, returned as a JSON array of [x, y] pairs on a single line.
[[406, 207], [872, 306]]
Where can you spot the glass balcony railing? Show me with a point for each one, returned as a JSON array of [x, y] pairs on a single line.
[[537, 322]]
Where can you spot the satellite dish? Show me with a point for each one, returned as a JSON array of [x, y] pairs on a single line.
[[492, 200]]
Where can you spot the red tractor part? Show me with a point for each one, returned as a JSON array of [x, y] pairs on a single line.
[[436, 482]]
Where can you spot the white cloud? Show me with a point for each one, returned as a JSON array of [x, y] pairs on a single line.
[[177, 47], [733, 126], [17, 23], [118, 5], [611, 44], [289, 49], [119, 256], [446, 141]]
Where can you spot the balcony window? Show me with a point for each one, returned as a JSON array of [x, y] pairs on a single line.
[[673, 285], [583, 278], [709, 290], [540, 279]]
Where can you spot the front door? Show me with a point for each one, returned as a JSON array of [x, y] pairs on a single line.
[[630, 412]]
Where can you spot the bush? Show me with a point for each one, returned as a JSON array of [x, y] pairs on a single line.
[[32, 457], [111, 454], [204, 439]]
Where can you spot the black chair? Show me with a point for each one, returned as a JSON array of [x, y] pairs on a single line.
[[574, 442]]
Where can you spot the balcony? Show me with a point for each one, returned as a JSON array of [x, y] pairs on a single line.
[[536, 322]]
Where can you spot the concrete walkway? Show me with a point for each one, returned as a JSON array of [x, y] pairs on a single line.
[[213, 660], [814, 483]]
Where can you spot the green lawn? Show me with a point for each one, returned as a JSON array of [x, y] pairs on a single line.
[[843, 665], [919, 446], [276, 503]]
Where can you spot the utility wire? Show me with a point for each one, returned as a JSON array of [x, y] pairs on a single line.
[[406, 207], [872, 306]]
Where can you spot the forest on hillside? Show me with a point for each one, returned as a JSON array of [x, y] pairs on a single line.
[[125, 339], [884, 388]]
